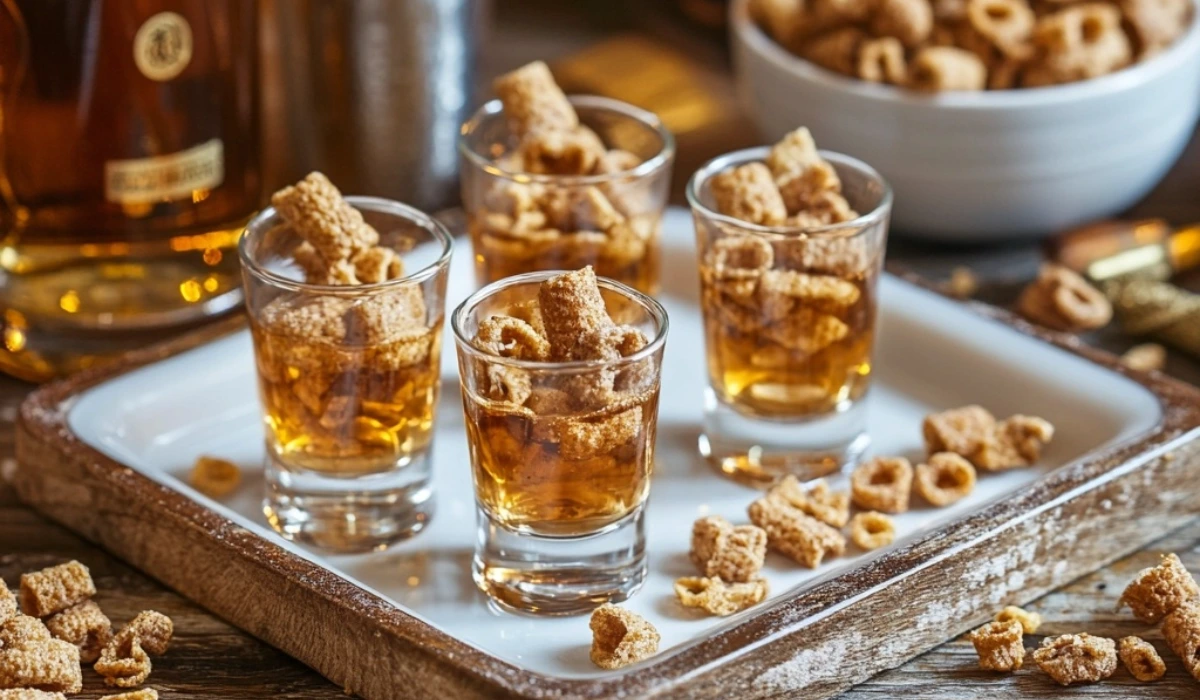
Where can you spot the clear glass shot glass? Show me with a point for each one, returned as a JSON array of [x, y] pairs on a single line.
[[349, 380], [523, 222], [561, 454], [789, 325]]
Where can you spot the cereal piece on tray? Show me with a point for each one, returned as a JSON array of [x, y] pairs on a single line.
[[55, 589], [830, 507], [1145, 357], [748, 192], [1158, 590], [1062, 300], [963, 284], [1181, 629], [1016, 441], [717, 597], [959, 430], [1000, 646], [796, 535], [506, 336], [572, 310], [909, 21], [316, 211], [872, 530], [882, 61], [1030, 621], [943, 68], [1076, 658], [215, 477], [882, 484], [30, 694], [8, 602], [944, 478], [533, 100], [85, 626], [1141, 658], [720, 550], [621, 637], [51, 665]]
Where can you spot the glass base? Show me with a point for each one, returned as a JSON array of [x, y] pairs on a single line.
[[346, 515], [559, 575], [760, 451]]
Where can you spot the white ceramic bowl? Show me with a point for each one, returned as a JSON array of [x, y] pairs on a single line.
[[986, 166]]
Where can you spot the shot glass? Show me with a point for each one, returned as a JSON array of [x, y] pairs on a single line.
[[561, 454], [349, 378], [524, 222], [789, 325]]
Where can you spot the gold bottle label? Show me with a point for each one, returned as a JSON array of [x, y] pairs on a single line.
[[162, 47], [165, 178]]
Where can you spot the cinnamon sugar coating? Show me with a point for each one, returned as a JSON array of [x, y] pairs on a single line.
[[51, 665], [1076, 658], [55, 589], [1141, 658], [717, 597], [125, 661], [1000, 646], [830, 507], [796, 535], [8, 602], [1158, 590], [732, 554], [1181, 629], [85, 626], [882, 484], [316, 211], [621, 637]]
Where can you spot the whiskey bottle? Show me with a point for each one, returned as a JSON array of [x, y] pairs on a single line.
[[128, 165]]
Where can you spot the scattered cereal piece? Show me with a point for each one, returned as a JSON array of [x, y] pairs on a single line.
[[22, 630], [506, 336], [151, 629], [1030, 621], [733, 554], [143, 694], [1016, 441], [872, 530], [717, 597], [51, 665], [124, 665], [796, 535], [572, 310], [621, 637], [748, 192], [55, 589], [944, 478], [1181, 629], [1158, 590], [939, 68], [1000, 646], [830, 507], [1146, 357], [882, 484], [316, 211], [8, 602], [215, 477], [963, 284], [959, 430], [31, 694], [1141, 658], [533, 101], [1060, 299], [85, 626], [1076, 658]]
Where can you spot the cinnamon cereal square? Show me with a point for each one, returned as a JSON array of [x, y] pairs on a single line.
[[621, 637], [55, 589]]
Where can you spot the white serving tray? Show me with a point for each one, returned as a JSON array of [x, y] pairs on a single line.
[[932, 354]]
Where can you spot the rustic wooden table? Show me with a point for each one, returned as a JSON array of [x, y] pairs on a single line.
[[212, 659]]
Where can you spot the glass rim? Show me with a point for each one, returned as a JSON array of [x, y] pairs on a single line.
[[362, 203], [464, 344], [759, 154], [651, 165]]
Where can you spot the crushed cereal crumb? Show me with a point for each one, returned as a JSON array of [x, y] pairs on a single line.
[[1030, 621], [717, 597]]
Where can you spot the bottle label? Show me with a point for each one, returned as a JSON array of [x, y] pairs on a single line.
[[162, 47], [165, 178]]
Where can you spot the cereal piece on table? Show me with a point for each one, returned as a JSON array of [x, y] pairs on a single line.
[[8, 602], [944, 478], [215, 477], [22, 630], [958, 430], [30, 694], [1146, 357], [377, 264], [1158, 590], [963, 284], [1076, 658], [1060, 299], [830, 507], [946, 68], [1030, 621], [1181, 629], [1004, 23], [573, 151], [882, 484], [507, 336], [151, 630], [1141, 658], [316, 211], [909, 21], [51, 665], [1000, 646], [142, 694], [717, 597], [810, 190], [795, 535], [572, 309], [748, 192], [55, 589], [1016, 441], [533, 101], [872, 530], [620, 637], [85, 626], [733, 554], [836, 50], [125, 661], [882, 61]]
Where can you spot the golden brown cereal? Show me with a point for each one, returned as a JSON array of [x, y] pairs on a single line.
[[720, 550], [793, 153], [944, 478], [963, 284], [533, 101], [574, 151], [1079, 42], [215, 477], [882, 484], [1141, 658], [717, 597], [377, 264], [316, 211], [1030, 621], [872, 530], [909, 21], [836, 50], [1181, 629], [621, 637], [151, 629], [830, 507], [796, 535], [882, 61], [1000, 646], [85, 626], [1158, 590], [51, 665], [1016, 441], [143, 694], [616, 161], [938, 68], [22, 630], [8, 602], [958, 430], [506, 336], [30, 694], [741, 257], [55, 589], [748, 192], [1146, 357], [572, 310], [124, 666], [1061, 299], [1076, 658], [815, 192], [1004, 23], [1156, 23], [781, 18]]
